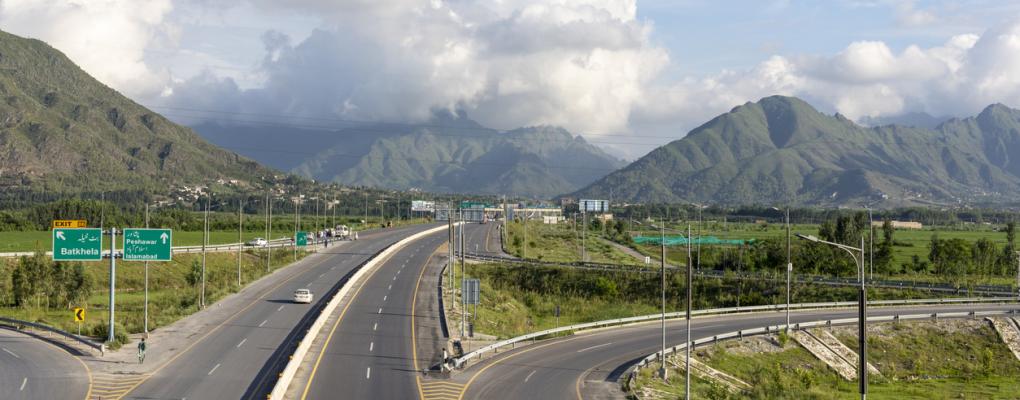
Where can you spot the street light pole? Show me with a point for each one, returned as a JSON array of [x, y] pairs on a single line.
[[871, 246], [687, 317], [662, 358], [862, 307]]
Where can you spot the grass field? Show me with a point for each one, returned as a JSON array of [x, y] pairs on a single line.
[[507, 313], [170, 295], [42, 240], [908, 242], [950, 360], [559, 242]]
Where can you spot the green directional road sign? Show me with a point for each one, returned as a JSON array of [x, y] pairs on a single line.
[[147, 244], [302, 238], [77, 244]]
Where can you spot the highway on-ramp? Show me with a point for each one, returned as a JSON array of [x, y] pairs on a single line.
[[31, 368], [483, 239], [378, 348], [240, 357], [588, 365]]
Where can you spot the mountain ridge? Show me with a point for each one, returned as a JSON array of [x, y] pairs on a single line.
[[780, 150], [62, 132]]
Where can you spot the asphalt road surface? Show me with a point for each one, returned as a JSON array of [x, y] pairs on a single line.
[[371, 354], [588, 365], [483, 239], [33, 369], [241, 358]]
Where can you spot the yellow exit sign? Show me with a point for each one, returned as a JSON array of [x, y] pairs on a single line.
[[69, 223]]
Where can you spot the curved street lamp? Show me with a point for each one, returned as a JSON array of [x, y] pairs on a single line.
[[862, 308]]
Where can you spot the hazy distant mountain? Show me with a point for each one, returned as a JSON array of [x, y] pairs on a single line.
[[62, 132], [781, 150], [913, 119], [449, 153], [458, 155]]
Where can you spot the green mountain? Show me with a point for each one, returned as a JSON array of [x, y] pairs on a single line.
[[452, 153], [62, 133], [780, 150]]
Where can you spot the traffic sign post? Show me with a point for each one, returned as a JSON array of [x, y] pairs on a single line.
[[77, 244], [301, 238], [79, 317], [147, 244]]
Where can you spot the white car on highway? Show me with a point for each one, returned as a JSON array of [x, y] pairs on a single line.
[[257, 242], [303, 296]]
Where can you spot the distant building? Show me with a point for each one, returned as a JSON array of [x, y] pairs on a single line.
[[900, 224]]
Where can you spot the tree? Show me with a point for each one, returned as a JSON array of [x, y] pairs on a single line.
[[80, 285], [195, 275], [883, 258], [985, 256], [951, 258]]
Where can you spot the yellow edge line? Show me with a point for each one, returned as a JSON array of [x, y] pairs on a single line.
[[88, 394], [414, 344], [237, 314], [332, 330], [475, 376]]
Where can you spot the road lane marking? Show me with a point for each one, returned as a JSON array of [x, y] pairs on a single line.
[[280, 309], [263, 323], [375, 326], [371, 346], [529, 376], [321, 275], [213, 369], [390, 287], [380, 310], [11, 353], [384, 298], [332, 331], [594, 347], [497, 361], [23, 383], [368, 373], [242, 342], [394, 277]]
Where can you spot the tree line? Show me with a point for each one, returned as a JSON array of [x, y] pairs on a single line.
[[40, 282]]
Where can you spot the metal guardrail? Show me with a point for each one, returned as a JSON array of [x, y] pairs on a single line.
[[461, 361], [631, 373], [991, 290], [94, 345]]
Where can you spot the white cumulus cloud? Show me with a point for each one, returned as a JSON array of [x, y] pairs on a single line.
[[107, 38]]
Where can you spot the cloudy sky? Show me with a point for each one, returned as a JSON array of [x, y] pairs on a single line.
[[628, 75]]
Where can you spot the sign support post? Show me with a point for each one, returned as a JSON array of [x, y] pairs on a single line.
[[113, 279]]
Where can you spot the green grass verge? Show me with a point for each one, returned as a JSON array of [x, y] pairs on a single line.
[[171, 297], [950, 360], [560, 242]]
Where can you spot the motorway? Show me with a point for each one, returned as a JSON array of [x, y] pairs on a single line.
[[588, 365], [370, 352], [239, 358], [34, 369]]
